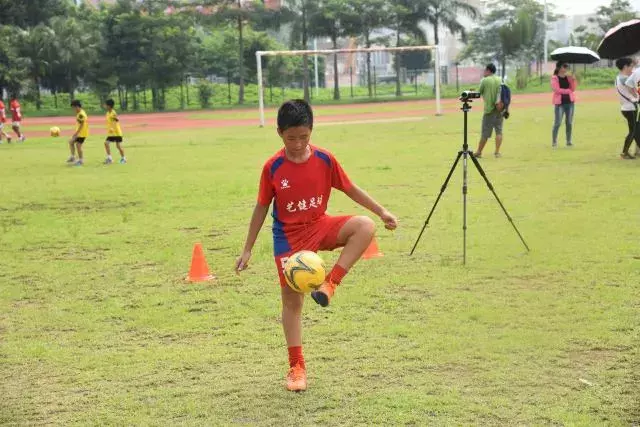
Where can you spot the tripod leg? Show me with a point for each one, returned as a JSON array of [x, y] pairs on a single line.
[[444, 187], [486, 180]]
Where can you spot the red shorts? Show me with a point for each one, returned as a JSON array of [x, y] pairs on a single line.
[[319, 236]]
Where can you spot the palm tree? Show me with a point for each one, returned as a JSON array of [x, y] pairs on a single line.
[[240, 14], [445, 13], [300, 12], [407, 16], [13, 67], [75, 49], [362, 19], [36, 46], [326, 21]]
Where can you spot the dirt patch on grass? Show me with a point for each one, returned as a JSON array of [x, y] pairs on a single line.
[[80, 254], [143, 265], [598, 356], [217, 233], [188, 229], [72, 206]]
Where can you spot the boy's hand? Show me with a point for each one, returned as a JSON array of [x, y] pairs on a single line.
[[243, 261], [389, 219]]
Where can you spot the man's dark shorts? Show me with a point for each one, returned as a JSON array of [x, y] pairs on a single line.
[[490, 122]]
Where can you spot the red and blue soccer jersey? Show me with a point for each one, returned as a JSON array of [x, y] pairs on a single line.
[[300, 193], [16, 114], [3, 113]]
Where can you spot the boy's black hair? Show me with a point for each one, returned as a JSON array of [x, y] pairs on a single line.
[[293, 113], [110, 103], [492, 68], [76, 103], [623, 62]]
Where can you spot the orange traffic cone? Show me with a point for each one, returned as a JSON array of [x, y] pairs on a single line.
[[372, 251], [199, 271]]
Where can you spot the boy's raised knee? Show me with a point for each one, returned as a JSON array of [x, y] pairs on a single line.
[[367, 225]]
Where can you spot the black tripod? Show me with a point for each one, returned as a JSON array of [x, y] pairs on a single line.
[[466, 153]]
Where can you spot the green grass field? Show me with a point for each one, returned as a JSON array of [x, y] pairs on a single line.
[[98, 327]]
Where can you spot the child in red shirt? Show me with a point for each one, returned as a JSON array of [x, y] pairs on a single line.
[[298, 180], [16, 118], [3, 120]]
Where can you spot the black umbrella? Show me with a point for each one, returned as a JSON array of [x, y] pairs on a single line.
[[575, 55], [622, 40]]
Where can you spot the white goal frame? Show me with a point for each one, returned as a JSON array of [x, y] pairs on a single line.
[[259, 54]]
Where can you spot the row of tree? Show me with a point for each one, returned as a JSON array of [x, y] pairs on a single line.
[[132, 45], [140, 46], [606, 17], [514, 32]]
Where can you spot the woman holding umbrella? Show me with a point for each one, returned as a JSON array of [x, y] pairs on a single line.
[[564, 98], [564, 86], [627, 87]]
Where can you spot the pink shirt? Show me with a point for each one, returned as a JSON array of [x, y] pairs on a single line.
[[558, 91]]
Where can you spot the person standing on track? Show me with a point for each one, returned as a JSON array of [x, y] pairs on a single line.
[[16, 118], [627, 87], [492, 118], [114, 133], [564, 98], [80, 135], [3, 119]]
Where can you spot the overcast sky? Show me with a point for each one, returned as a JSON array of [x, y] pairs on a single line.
[[578, 7]]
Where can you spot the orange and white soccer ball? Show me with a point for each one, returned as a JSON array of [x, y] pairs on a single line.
[[55, 131], [304, 271]]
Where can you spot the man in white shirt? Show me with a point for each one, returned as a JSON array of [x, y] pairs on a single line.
[[627, 87]]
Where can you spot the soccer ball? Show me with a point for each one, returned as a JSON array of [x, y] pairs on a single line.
[[55, 131], [304, 271]]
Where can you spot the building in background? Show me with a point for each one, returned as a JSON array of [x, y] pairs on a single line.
[[562, 29]]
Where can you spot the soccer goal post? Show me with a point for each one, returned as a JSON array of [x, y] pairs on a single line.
[[431, 48]]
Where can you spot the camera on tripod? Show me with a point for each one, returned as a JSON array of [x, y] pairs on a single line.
[[469, 94]]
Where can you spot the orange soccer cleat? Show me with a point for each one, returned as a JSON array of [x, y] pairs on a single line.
[[297, 379], [323, 295]]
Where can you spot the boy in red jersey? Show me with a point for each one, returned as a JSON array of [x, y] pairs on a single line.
[[16, 118], [3, 119], [298, 179]]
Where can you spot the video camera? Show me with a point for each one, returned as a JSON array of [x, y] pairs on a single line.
[[469, 94]]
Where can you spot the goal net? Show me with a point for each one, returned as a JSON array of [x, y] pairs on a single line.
[[349, 74]]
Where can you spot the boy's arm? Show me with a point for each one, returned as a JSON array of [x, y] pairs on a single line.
[[257, 219], [359, 196]]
